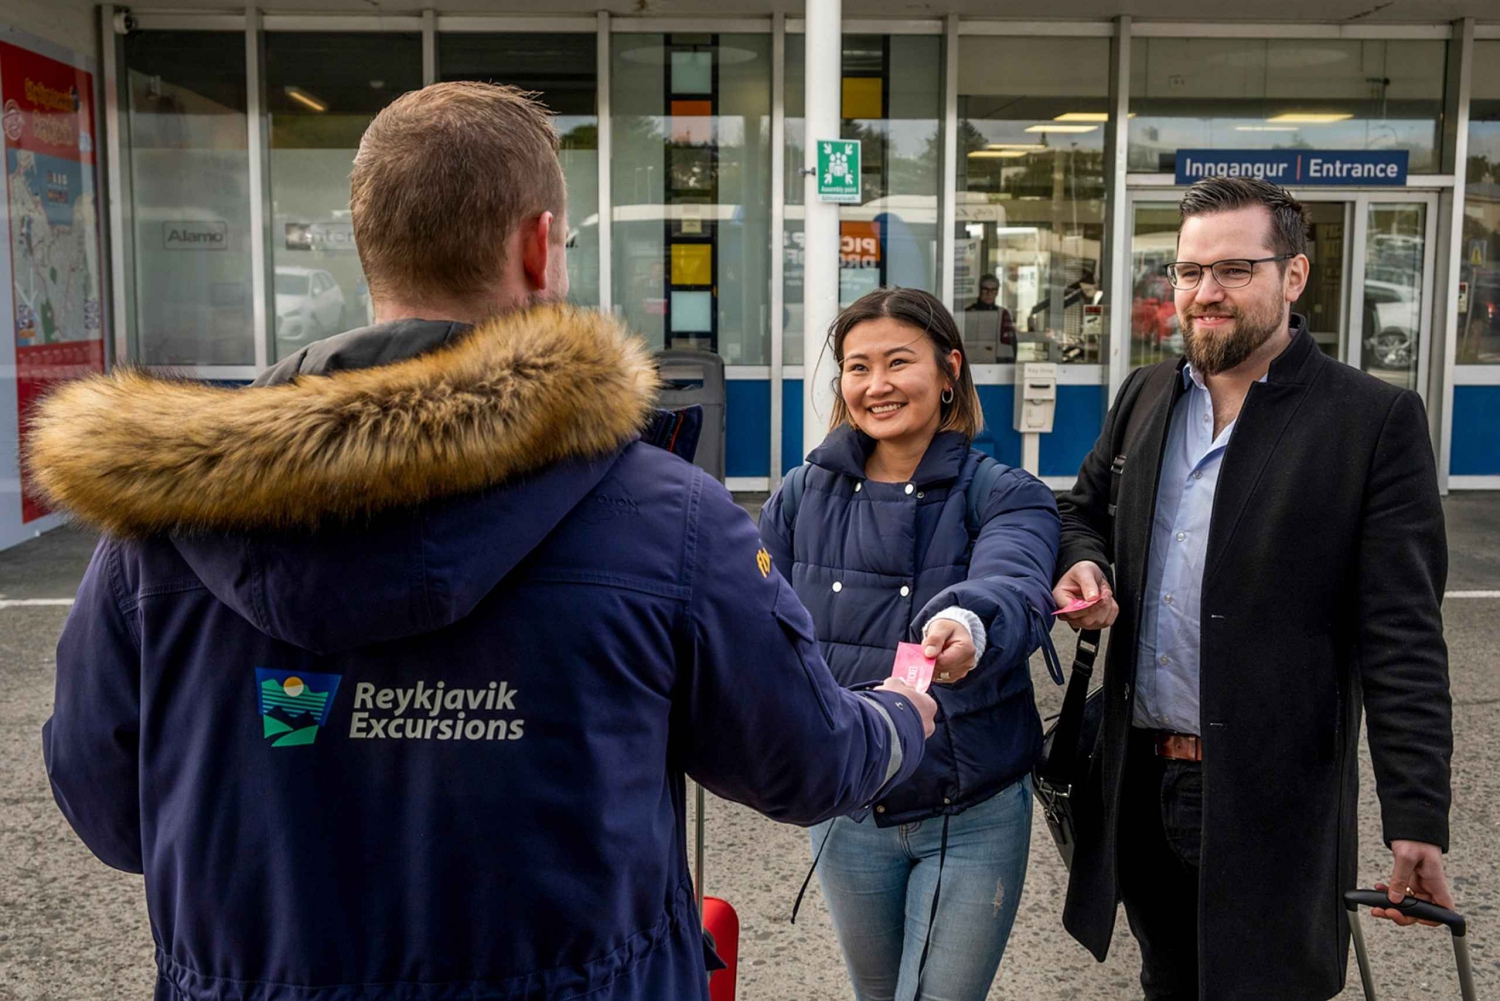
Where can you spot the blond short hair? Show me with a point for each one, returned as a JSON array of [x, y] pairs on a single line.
[[443, 177]]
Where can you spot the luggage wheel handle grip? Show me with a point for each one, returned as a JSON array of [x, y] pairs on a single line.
[[1411, 907]]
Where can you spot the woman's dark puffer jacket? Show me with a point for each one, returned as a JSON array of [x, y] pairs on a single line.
[[874, 561]]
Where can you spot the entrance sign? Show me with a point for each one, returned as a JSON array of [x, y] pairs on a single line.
[[1295, 167], [838, 171]]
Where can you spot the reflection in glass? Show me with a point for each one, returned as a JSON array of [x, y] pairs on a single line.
[[563, 70], [322, 90], [1394, 253], [1322, 301], [1030, 213], [691, 185], [1479, 268], [1154, 332], [892, 103], [1235, 93], [189, 171]]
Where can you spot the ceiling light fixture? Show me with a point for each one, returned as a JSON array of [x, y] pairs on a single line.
[[1027, 147], [305, 99], [1076, 129], [1311, 117], [998, 154]]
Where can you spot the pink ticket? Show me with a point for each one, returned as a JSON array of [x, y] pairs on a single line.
[[1079, 605], [913, 667]]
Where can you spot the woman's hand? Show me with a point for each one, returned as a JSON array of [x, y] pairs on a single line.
[[951, 644]]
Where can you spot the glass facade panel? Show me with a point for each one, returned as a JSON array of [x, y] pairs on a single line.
[[892, 103], [564, 70], [691, 182], [189, 174], [1479, 269], [1233, 93], [322, 90], [1031, 185], [1395, 248]]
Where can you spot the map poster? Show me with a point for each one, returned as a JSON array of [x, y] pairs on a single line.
[[47, 115]]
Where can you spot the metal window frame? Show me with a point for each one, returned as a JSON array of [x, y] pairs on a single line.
[[580, 24], [691, 25], [262, 308], [120, 234], [778, 241], [605, 133], [1119, 230], [342, 22], [948, 186], [429, 48], [1245, 29], [1038, 29], [183, 21], [876, 26], [1445, 369]]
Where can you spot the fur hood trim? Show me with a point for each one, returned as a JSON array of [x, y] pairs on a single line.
[[136, 455]]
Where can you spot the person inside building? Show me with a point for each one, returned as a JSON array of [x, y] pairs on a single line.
[[1262, 528], [989, 294], [388, 670], [895, 529]]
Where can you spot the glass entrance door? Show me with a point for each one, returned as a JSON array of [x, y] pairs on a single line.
[[1394, 252]]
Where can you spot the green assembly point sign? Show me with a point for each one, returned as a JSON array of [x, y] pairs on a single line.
[[838, 171]]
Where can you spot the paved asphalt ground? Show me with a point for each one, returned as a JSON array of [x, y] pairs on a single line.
[[70, 928]]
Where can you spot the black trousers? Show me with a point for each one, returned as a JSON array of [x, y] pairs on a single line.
[[1161, 833]]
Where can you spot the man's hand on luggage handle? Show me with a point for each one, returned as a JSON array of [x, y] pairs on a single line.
[[950, 643], [1418, 871], [1085, 581], [920, 701]]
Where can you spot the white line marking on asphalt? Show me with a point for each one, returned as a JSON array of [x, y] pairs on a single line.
[[34, 602], [1472, 594]]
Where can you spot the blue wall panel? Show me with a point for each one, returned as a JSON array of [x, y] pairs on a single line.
[[747, 431], [1476, 431], [791, 424], [1080, 416]]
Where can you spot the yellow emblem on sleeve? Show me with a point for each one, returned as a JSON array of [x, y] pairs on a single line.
[[763, 561]]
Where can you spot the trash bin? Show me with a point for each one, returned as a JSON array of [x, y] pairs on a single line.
[[697, 377]]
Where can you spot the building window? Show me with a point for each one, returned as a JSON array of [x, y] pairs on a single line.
[[190, 198], [691, 119], [892, 102], [562, 69], [1030, 215], [1479, 268], [1231, 93], [322, 90]]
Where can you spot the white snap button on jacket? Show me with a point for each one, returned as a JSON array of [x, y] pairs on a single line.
[[910, 489], [858, 487], [905, 590], [837, 586]]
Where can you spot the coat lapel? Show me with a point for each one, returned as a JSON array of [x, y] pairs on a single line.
[[1138, 488], [1268, 411]]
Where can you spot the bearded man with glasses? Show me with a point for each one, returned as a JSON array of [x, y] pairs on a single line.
[[1262, 525]]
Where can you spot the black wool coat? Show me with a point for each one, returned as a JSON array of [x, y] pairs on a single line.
[[1322, 591]]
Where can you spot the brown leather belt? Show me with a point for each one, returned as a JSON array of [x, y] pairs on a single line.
[[1178, 746]]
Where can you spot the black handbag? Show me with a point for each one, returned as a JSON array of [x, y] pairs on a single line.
[[1068, 747]]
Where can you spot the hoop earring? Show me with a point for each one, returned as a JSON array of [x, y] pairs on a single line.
[[947, 396]]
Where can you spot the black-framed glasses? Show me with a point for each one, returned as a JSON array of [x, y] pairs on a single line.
[[1233, 273]]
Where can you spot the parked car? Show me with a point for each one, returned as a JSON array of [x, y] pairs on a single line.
[[309, 304], [1392, 320]]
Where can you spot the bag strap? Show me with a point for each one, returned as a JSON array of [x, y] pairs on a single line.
[[792, 494], [978, 492], [1060, 762]]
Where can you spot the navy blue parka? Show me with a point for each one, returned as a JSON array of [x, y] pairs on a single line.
[[387, 676], [873, 562]]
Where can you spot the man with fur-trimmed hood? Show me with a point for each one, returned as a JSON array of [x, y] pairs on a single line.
[[387, 671]]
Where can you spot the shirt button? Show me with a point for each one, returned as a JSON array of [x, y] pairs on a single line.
[[905, 591], [837, 587], [1181, 536], [1197, 474], [910, 489], [1167, 598], [947, 801], [1165, 660]]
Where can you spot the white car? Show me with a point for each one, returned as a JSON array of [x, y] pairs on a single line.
[[309, 304], [1392, 319]]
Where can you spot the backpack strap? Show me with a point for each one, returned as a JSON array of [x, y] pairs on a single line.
[[791, 498], [978, 493]]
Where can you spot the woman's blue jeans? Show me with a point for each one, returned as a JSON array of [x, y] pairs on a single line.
[[879, 883]]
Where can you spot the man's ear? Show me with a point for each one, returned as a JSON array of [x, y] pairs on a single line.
[[1298, 269], [537, 250]]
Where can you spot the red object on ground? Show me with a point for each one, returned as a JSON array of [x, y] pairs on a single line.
[[724, 925]]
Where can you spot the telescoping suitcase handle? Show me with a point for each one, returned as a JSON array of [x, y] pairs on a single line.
[[1422, 911]]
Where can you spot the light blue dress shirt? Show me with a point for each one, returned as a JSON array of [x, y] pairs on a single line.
[[1167, 666]]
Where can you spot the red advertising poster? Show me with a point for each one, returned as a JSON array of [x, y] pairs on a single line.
[[47, 115]]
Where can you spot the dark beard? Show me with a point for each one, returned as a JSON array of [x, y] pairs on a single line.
[[1212, 354]]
